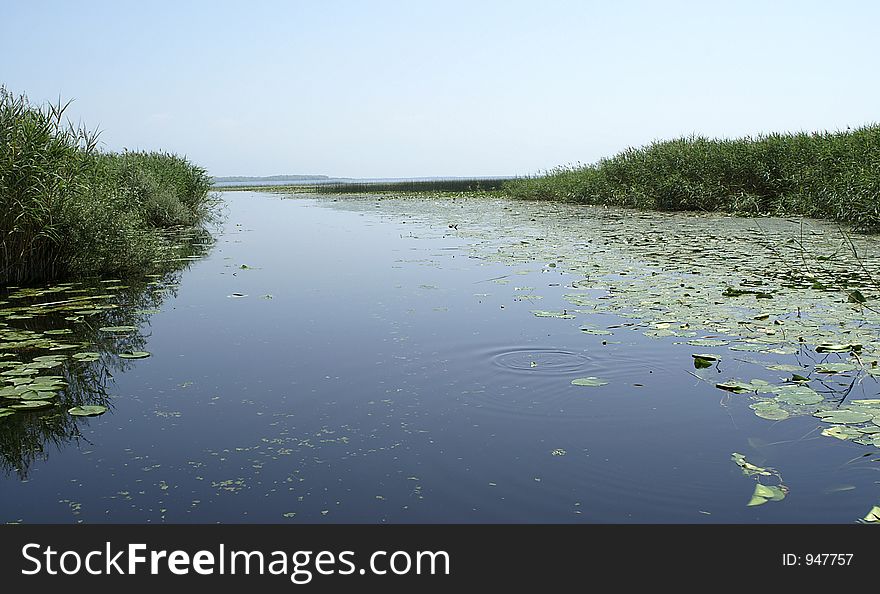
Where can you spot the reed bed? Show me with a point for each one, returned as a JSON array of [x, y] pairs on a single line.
[[70, 210], [830, 175]]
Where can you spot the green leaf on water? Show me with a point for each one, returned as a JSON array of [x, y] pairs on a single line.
[[540, 313], [6, 412], [737, 387], [834, 367], [747, 467], [873, 516], [87, 410], [842, 432], [588, 381], [843, 417], [134, 355], [708, 342], [31, 405], [770, 411], [839, 348], [764, 493], [33, 395], [798, 394], [784, 367], [855, 296], [597, 331], [118, 329]]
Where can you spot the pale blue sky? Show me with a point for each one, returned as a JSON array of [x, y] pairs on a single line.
[[388, 89]]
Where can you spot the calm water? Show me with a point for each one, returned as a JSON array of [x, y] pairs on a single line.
[[380, 369]]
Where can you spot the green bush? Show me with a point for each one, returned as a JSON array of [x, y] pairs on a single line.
[[834, 175], [68, 210]]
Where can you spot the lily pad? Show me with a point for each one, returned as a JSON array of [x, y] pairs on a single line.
[[839, 348], [747, 467], [872, 516], [588, 381], [31, 405], [87, 410], [134, 355], [540, 313], [6, 412], [118, 329], [764, 493], [34, 395], [737, 386], [834, 367], [785, 367], [770, 411], [708, 342], [843, 417], [842, 432], [798, 395]]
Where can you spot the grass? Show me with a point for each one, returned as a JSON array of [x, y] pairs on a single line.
[[69, 210], [830, 175]]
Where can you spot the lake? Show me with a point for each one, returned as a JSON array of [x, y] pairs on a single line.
[[400, 359]]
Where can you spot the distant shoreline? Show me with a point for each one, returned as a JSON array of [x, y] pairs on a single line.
[[267, 178]]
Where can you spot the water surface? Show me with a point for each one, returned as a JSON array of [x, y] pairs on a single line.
[[404, 360]]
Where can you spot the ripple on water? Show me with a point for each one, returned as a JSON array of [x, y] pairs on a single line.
[[535, 380]]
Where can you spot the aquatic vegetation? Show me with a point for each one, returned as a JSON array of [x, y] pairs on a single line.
[[60, 346], [68, 210], [414, 186], [833, 175], [88, 410], [762, 493], [591, 381]]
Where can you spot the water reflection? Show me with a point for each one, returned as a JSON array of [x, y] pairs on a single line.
[[60, 345]]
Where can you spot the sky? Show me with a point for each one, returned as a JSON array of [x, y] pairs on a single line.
[[446, 88]]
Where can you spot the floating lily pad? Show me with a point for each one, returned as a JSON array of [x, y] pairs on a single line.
[[843, 417], [834, 367], [134, 355], [866, 402], [708, 342], [33, 395], [842, 432], [6, 412], [770, 411], [764, 493], [839, 348], [539, 313], [588, 381], [118, 329], [798, 395], [747, 467], [872, 516], [88, 410], [737, 386], [597, 331], [31, 405], [785, 367]]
